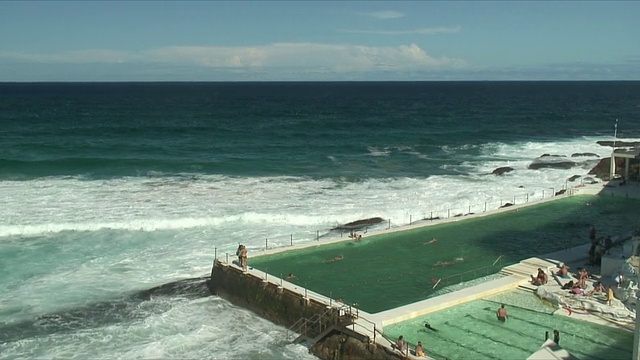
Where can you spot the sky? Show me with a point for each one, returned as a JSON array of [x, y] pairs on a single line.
[[312, 40]]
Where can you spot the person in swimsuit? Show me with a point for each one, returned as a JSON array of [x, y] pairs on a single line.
[[290, 277], [243, 254], [401, 345], [420, 349], [337, 258], [501, 314]]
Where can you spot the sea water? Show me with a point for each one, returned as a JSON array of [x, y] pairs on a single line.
[[108, 190]]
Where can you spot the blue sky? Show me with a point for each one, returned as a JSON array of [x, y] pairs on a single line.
[[319, 40]]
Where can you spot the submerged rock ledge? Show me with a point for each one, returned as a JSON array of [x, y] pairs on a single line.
[[359, 224]]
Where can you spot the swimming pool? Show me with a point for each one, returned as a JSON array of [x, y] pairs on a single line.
[[471, 330], [393, 269]]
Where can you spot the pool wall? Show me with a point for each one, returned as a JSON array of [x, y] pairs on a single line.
[[336, 335]]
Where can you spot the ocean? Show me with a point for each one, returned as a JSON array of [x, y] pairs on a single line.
[[114, 197]]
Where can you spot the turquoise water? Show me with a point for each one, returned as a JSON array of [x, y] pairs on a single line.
[[471, 330], [393, 269]]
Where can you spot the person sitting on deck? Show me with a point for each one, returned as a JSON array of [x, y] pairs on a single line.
[[583, 275], [564, 271], [401, 345], [577, 290], [540, 279], [420, 349], [597, 290], [568, 285]]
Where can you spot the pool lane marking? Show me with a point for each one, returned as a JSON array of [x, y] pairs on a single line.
[[528, 351], [436, 334], [564, 332]]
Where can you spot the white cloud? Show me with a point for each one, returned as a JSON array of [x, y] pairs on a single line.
[[385, 15], [308, 56], [421, 31]]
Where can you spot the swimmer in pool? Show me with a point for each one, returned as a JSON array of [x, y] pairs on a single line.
[[501, 314], [337, 258]]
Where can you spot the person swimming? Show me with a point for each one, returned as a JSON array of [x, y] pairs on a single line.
[[337, 258], [428, 326], [432, 241]]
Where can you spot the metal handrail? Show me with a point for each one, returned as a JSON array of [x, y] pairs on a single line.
[[434, 215], [466, 272]]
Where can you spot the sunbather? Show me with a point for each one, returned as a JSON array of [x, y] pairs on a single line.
[[540, 279]]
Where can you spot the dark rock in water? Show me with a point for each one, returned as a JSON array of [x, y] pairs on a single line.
[[573, 178], [506, 205], [502, 170], [520, 187], [584, 154], [560, 192], [552, 161], [196, 287], [359, 224], [555, 156], [619, 143]]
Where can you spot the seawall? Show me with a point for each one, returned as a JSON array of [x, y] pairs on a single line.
[[326, 327]]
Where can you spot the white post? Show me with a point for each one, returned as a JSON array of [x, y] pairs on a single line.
[[636, 335], [612, 171]]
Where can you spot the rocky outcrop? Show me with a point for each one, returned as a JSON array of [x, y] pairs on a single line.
[[359, 224], [574, 178], [587, 154], [502, 170], [551, 161], [601, 170], [619, 143]]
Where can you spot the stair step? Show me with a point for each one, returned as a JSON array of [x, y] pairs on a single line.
[[521, 270], [527, 286]]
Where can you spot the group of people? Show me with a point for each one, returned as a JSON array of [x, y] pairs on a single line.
[[404, 347], [355, 235], [241, 253]]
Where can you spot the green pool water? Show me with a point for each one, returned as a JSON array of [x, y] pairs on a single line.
[[471, 331], [393, 269]]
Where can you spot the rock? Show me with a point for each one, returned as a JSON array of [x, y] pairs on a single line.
[[359, 224], [573, 178], [560, 192], [551, 161], [584, 154], [601, 170], [619, 143], [547, 155], [502, 170], [506, 205]]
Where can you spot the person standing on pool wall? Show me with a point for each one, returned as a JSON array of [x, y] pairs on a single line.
[[501, 314]]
